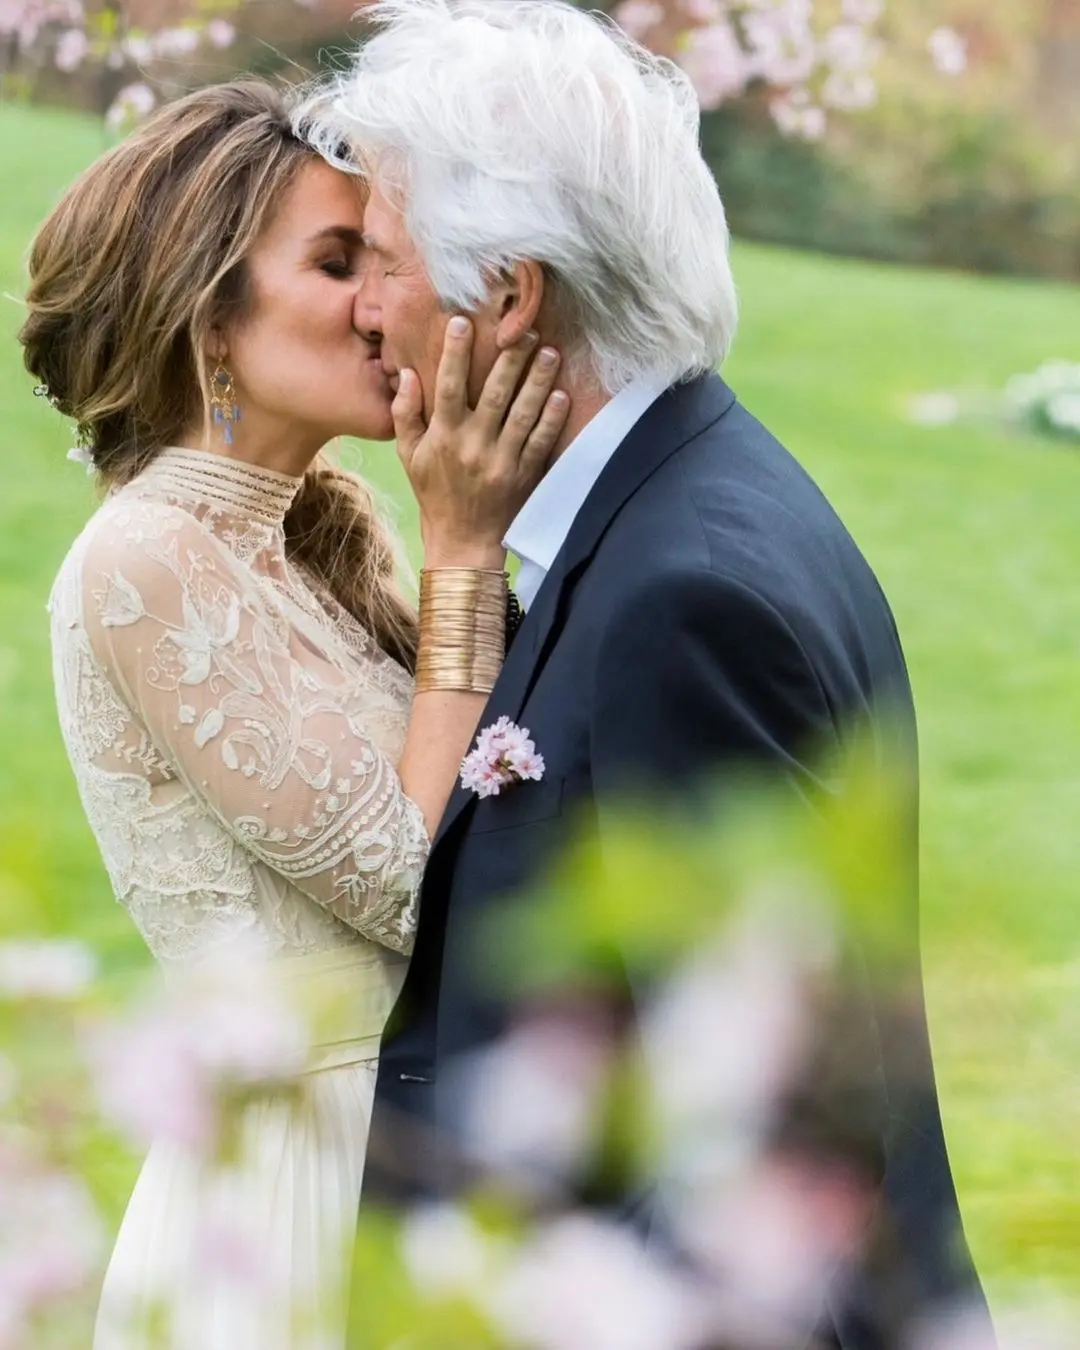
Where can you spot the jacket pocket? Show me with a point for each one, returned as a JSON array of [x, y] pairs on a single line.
[[519, 804]]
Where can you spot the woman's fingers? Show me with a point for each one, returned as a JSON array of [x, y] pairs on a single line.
[[407, 411], [500, 386], [536, 453], [530, 403], [451, 404]]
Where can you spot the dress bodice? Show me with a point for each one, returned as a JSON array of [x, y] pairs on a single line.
[[233, 730]]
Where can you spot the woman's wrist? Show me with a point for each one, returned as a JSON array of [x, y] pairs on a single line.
[[486, 557]]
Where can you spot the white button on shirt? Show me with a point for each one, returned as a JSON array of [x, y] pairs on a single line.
[[541, 526]]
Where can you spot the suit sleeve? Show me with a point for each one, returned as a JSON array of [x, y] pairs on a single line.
[[695, 673]]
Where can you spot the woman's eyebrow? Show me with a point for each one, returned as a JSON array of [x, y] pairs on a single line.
[[348, 234]]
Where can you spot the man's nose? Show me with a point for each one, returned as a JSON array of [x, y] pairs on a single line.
[[367, 313]]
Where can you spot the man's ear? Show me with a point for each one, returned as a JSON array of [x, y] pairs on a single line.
[[518, 300]]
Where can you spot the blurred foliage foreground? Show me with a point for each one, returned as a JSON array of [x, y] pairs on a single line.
[[757, 935]]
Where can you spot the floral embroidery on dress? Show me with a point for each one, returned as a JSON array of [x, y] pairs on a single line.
[[233, 731]]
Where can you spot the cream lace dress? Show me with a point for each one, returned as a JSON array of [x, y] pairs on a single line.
[[234, 734]]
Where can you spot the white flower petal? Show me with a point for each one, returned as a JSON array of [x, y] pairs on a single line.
[[120, 604], [209, 727]]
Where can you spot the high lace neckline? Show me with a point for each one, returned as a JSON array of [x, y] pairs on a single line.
[[246, 489]]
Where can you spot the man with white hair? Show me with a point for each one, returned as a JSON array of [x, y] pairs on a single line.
[[691, 599]]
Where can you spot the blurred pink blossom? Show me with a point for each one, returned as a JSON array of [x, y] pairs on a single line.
[[579, 1282], [25, 20], [71, 49], [51, 1238], [849, 91], [704, 11], [446, 1252], [772, 1240], [863, 12], [223, 1027], [21, 21], [795, 115], [715, 1091], [131, 105], [781, 46], [220, 33], [728, 44], [138, 49], [534, 1097], [175, 42], [714, 59], [52, 969], [239, 1022], [638, 17], [948, 50], [848, 47], [149, 1082]]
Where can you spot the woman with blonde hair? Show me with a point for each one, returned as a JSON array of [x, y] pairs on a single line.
[[234, 660]]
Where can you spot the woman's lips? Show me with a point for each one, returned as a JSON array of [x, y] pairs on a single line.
[[374, 363]]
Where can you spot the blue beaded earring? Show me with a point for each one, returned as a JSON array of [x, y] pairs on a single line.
[[226, 410]]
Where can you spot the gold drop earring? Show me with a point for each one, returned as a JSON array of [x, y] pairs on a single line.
[[223, 402]]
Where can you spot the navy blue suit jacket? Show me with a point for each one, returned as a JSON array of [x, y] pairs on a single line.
[[707, 608]]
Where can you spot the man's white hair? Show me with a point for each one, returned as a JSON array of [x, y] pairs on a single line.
[[528, 129]]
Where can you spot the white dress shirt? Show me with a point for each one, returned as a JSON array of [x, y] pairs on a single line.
[[541, 526]]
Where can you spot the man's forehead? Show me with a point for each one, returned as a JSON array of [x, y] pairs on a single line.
[[384, 226]]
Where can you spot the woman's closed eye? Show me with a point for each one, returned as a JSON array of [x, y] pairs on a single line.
[[344, 268]]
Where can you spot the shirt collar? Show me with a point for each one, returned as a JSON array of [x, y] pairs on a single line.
[[541, 527]]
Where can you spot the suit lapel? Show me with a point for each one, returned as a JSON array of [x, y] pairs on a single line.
[[678, 415]]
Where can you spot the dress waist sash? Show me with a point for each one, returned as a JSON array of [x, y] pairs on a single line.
[[345, 995]]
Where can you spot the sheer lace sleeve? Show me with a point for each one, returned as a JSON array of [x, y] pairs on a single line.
[[258, 722]]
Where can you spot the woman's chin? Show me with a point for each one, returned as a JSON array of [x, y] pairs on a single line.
[[374, 425], [384, 431]]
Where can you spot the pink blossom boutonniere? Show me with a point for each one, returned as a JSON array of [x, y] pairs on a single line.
[[504, 755]]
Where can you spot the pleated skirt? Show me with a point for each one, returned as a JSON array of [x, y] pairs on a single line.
[[254, 1254]]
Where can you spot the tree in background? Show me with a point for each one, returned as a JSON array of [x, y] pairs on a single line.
[[802, 56]]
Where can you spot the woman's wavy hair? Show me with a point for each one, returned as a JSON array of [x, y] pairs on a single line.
[[143, 258]]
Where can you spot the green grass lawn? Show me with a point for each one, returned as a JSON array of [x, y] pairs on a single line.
[[974, 536]]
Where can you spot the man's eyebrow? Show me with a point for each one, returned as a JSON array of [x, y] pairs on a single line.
[[372, 244], [346, 233]]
